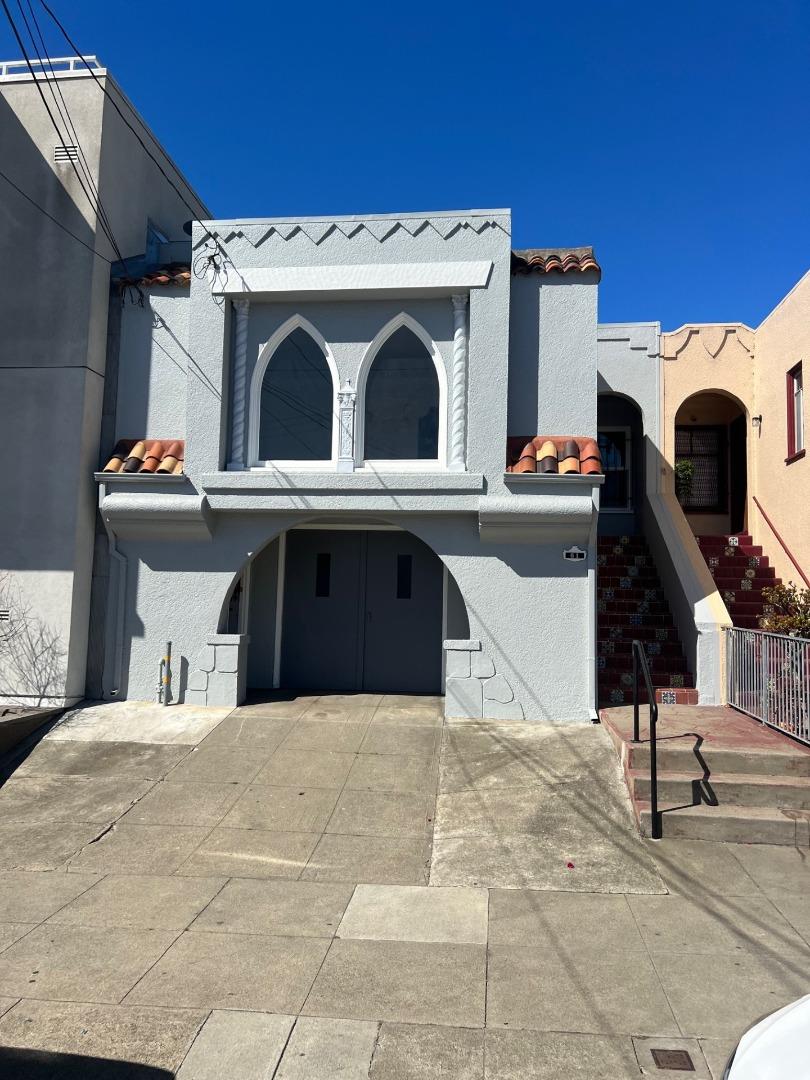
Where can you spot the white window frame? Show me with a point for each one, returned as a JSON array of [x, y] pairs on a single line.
[[438, 463], [266, 353], [797, 404], [628, 468]]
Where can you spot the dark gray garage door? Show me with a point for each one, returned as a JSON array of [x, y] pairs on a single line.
[[362, 611]]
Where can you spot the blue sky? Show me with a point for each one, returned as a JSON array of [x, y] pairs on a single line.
[[674, 138]]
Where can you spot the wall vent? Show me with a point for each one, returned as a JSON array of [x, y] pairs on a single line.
[[62, 155], [5, 615]]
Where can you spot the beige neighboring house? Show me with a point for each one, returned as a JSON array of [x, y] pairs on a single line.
[[733, 403]]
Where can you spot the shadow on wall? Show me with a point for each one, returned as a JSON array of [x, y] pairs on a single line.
[[43, 1065], [32, 656]]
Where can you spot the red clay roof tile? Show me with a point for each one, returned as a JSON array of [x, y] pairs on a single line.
[[159, 456], [571, 454], [177, 274], [560, 260]]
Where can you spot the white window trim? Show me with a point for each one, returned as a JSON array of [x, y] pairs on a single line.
[[266, 353], [628, 468], [797, 386], [405, 464]]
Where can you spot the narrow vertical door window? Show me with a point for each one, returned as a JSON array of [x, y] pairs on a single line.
[[323, 573], [795, 407], [404, 576]]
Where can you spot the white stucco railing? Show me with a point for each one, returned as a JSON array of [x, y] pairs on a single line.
[[698, 609], [59, 65]]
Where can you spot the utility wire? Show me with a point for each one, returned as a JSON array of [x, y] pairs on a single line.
[[114, 103], [56, 222], [41, 93], [61, 104]]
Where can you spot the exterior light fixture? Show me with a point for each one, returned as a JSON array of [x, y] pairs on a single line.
[[757, 421]]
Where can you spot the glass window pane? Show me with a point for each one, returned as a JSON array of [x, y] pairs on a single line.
[[323, 573], [402, 401], [798, 410], [613, 451], [296, 403], [404, 576]]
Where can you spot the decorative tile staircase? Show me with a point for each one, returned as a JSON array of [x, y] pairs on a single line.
[[631, 604], [741, 572], [721, 776]]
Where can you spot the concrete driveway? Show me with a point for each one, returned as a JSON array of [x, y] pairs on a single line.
[[343, 886]]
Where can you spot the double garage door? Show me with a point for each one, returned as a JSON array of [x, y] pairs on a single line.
[[362, 611]]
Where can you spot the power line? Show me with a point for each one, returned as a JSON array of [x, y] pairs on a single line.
[[115, 105], [64, 112], [41, 93], [56, 222]]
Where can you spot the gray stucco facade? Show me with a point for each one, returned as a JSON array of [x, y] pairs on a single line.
[[518, 619]]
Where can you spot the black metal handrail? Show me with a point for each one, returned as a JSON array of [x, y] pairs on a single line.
[[640, 661]]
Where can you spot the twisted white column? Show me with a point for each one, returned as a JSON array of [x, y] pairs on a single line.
[[346, 402], [238, 385], [458, 411]]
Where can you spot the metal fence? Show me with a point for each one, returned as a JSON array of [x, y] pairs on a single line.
[[768, 677]]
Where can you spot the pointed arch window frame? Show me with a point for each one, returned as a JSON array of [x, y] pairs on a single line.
[[403, 319], [266, 353]]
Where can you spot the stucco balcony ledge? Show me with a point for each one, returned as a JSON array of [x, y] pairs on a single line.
[[549, 509], [407, 491]]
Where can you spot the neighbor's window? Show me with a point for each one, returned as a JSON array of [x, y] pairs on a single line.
[[795, 411], [614, 449], [706, 448], [402, 402], [296, 403]]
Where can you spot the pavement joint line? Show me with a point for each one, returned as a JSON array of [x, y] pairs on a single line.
[[194, 1038], [143, 974], [653, 965]]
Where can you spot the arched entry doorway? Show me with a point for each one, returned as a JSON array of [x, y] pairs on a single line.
[[620, 432], [350, 608], [711, 476]]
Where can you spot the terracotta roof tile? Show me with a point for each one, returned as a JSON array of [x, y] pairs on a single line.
[[553, 454], [549, 260], [176, 274], [159, 456]]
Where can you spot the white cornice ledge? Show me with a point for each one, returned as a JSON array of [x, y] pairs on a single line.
[[275, 482], [153, 516], [537, 518], [357, 278], [554, 481]]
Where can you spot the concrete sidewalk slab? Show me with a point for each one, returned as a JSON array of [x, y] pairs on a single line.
[[221, 764], [26, 896], [137, 721], [72, 963], [307, 768], [563, 921], [726, 993], [384, 860], [288, 908], [690, 867], [42, 799], [139, 849], [237, 1045], [13, 931], [240, 729], [283, 809], [328, 1050], [409, 982], [422, 1052], [151, 1037], [42, 847], [140, 903], [324, 735], [706, 925], [179, 803], [140, 761], [377, 813], [776, 869], [391, 772], [251, 853], [594, 992], [232, 971], [518, 1055], [408, 739], [413, 913]]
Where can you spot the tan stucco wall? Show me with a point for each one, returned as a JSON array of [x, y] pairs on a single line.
[[750, 366], [782, 341], [700, 359]]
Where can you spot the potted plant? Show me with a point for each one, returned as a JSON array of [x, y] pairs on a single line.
[[684, 476]]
